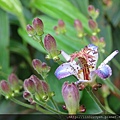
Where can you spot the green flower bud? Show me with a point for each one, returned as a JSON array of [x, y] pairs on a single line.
[[5, 88], [30, 30], [51, 47], [14, 82], [38, 26]]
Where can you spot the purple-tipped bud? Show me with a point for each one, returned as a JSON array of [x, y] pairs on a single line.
[[38, 26], [41, 68], [29, 86], [91, 10], [14, 82], [4, 86], [30, 30], [51, 47], [26, 95], [71, 97], [45, 87], [78, 26], [92, 24], [94, 40], [61, 24], [45, 67], [37, 65], [49, 43]]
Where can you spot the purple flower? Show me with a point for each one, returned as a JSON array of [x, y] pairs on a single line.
[[85, 67]]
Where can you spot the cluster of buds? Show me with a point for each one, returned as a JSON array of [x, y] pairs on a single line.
[[36, 89], [11, 87], [93, 26], [99, 42], [51, 47], [79, 28], [36, 29], [71, 97], [60, 28], [41, 67], [93, 13]]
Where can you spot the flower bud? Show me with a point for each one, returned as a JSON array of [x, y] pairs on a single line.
[[38, 26], [78, 26], [45, 68], [30, 30], [71, 97], [29, 85], [14, 82], [26, 95], [4, 86], [92, 12], [37, 65], [91, 9], [41, 68], [61, 26], [93, 26], [50, 46]]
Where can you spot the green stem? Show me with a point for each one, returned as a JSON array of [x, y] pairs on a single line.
[[107, 106], [48, 107], [98, 102], [29, 106], [54, 104]]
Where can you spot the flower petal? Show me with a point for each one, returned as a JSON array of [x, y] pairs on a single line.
[[104, 72], [93, 51], [65, 55], [63, 71], [109, 58]]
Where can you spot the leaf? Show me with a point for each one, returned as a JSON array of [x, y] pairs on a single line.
[[90, 104], [14, 7], [113, 12], [20, 49], [82, 5], [4, 43]]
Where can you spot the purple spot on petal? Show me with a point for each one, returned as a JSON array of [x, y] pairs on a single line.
[[104, 72]]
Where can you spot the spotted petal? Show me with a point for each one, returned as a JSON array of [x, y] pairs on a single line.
[[104, 72], [93, 51]]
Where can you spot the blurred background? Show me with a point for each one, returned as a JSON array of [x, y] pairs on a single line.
[[17, 49]]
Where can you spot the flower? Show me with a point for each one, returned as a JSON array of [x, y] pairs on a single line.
[[85, 67], [71, 97]]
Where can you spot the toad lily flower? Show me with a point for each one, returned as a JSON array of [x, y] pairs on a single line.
[[84, 68]]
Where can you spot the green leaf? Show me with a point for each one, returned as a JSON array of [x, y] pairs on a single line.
[[90, 104], [14, 7], [82, 5], [18, 48], [4, 43]]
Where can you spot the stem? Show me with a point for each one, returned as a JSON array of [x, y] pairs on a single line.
[[29, 106], [54, 104], [98, 102], [48, 107], [107, 106]]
